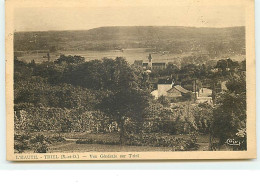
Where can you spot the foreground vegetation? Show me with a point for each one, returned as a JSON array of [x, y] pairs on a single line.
[[111, 97]]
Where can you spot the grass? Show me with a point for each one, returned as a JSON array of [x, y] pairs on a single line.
[[71, 146]]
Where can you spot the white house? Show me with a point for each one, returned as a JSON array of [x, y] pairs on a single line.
[[164, 85]]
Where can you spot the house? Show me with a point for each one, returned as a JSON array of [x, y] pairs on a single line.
[[166, 87], [158, 66], [154, 66], [163, 86], [177, 91], [150, 65]]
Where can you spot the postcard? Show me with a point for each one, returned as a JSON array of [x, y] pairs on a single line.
[[130, 80]]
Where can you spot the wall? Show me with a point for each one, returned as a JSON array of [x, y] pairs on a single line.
[[163, 88]]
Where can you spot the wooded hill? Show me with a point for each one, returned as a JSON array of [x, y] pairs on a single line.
[[157, 38]]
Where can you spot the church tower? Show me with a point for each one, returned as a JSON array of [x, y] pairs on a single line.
[[150, 61]]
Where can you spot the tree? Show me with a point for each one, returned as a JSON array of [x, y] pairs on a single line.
[[69, 59], [127, 101], [171, 69], [203, 117], [164, 101], [229, 115], [226, 65]]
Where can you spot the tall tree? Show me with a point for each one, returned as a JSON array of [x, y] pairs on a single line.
[[229, 115], [128, 99]]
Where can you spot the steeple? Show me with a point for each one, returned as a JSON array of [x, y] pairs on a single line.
[[150, 57], [150, 61]]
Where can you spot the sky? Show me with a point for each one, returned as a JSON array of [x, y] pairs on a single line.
[[84, 18]]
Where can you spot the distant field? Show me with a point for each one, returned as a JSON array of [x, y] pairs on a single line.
[[129, 54]]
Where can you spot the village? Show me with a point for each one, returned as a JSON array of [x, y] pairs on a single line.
[[172, 90]]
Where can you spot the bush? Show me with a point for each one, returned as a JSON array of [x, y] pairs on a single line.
[[41, 148], [22, 137], [39, 139], [21, 142], [38, 143], [164, 101], [157, 140], [60, 120], [21, 146]]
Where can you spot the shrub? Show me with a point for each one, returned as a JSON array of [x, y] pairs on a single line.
[[41, 148], [60, 120], [157, 140], [39, 139], [21, 146], [164, 101], [21, 142], [22, 137], [38, 143]]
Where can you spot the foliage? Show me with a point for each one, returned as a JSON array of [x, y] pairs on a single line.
[[227, 64], [128, 99], [181, 118], [241, 136], [203, 117], [38, 143], [39, 93], [164, 101], [37, 119], [158, 140], [69, 59], [229, 115], [71, 95]]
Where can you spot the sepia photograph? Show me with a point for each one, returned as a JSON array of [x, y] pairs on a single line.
[[114, 80]]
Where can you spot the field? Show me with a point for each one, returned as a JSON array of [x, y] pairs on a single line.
[[129, 54]]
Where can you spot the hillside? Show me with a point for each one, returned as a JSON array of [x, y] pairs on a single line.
[[157, 38]]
